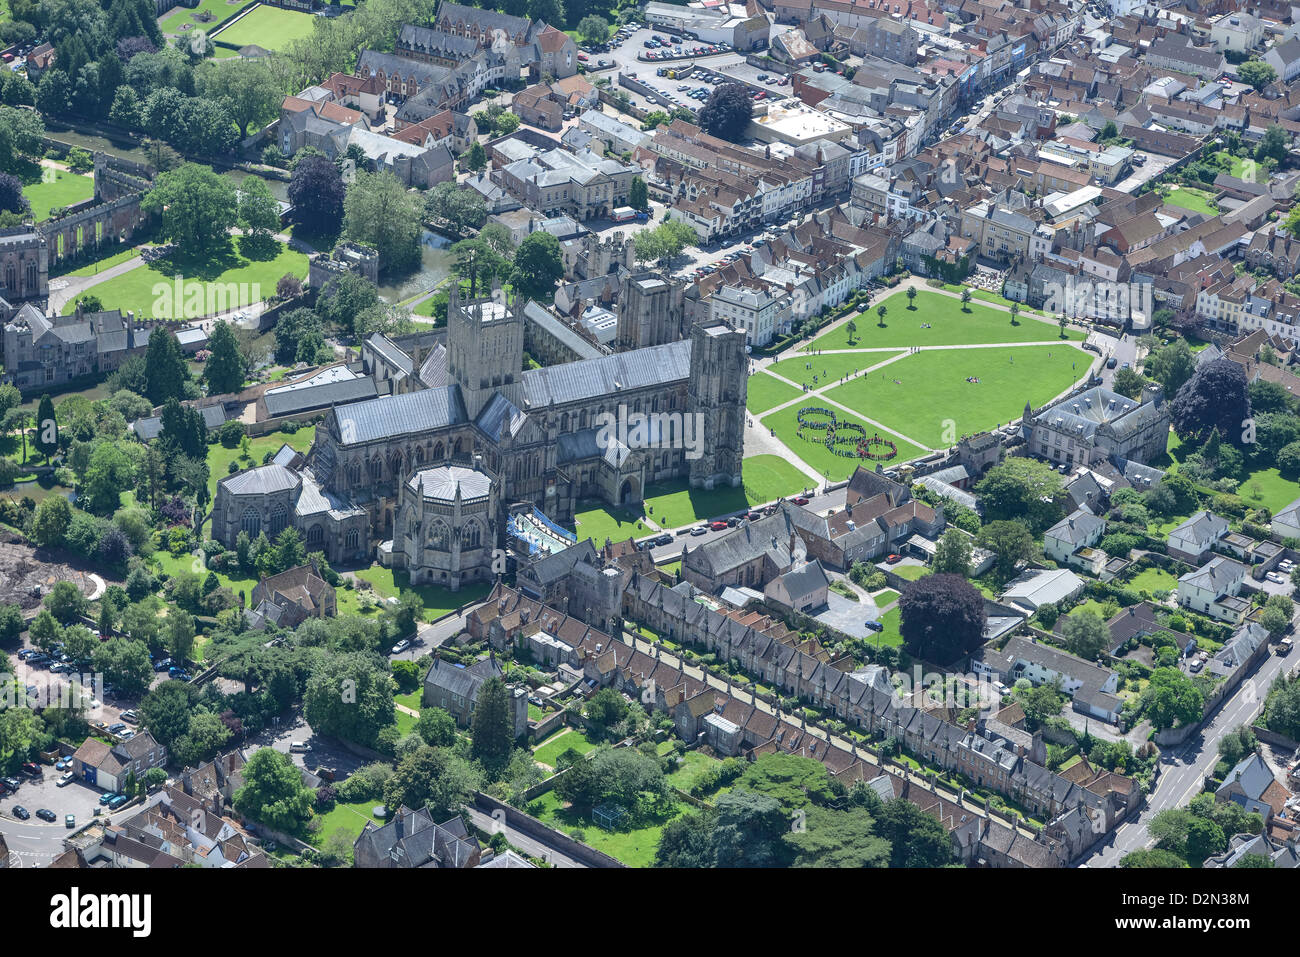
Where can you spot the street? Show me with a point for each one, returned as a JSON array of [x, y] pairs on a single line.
[[1183, 770]]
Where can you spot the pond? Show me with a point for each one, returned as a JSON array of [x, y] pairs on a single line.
[[435, 266]]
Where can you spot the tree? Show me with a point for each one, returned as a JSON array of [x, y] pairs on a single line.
[[196, 208], [593, 29], [1023, 488], [538, 265], [11, 195], [638, 195], [432, 777], [1257, 73], [476, 159], [1214, 398], [1277, 614], [1086, 635], [942, 617], [492, 731], [749, 831], [11, 622], [462, 208], [437, 727], [66, 602], [1171, 366], [965, 298], [606, 708], [125, 662], [350, 697], [727, 112], [1012, 543], [880, 313], [851, 328], [110, 471], [245, 87], [344, 298], [1152, 858], [833, 838], [180, 634], [1237, 744], [259, 213], [1129, 382], [911, 297], [916, 839], [1172, 699], [46, 437], [1275, 145], [953, 553], [224, 369], [50, 522], [45, 630], [380, 212], [273, 792], [476, 262], [317, 193], [165, 368]]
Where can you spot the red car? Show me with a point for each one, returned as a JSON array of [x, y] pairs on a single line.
[[718, 526], [893, 559], [800, 500]]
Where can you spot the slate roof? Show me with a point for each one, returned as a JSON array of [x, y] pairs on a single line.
[[291, 401], [605, 376], [391, 415], [443, 482], [262, 480]]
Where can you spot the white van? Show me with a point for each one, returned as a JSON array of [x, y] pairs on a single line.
[[299, 747]]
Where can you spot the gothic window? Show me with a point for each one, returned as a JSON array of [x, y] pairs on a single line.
[[351, 539], [376, 468], [419, 455], [314, 535], [11, 278], [564, 422], [438, 453], [251, 522], [354, 474], [438, 537], [279, 518], [473, 535]]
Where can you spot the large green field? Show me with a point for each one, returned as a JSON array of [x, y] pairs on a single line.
[[55, 189], [813, 449], [828, 368], [927, 398], [218, 10], [948, 325], [765, 478], [271, 28], [766, 392], [219, 283]]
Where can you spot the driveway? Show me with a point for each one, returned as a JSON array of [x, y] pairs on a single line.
[[847, 615], [34, 841]]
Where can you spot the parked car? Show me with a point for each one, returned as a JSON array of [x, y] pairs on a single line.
[[131, 715], [1277, 578], [31, 769], [718, 526], [70, 820], [9, 784], [1112, 362], [893, 559], [116, 728], [45, 814], [21, 812], [299, 747], [401, 646], [800, 500], [162, 665], [65, 780], [117, 801], [664, 539], [105, 798], [875, 626], [700, 530]]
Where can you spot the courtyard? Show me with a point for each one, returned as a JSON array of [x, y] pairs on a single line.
[[271, 28], [55, 189]]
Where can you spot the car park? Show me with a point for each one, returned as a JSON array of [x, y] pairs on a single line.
[[1277, 578]]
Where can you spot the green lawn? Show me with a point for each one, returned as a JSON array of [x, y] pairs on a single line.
[[910, 572], [932, 402], [766, 478], [217, 284], [766, 392], [813, 449], [693, 765], [1264, 487], [556, 744], [348, 817], [414, 700], [438, 601], [830, 367], [599, 522], [1196, 200], [890, 636], [949, 325], [180, 16], [1153, 580], [220, 457], [635, 848], [883, 598], [271, 28], [58, 188], [108, 262]]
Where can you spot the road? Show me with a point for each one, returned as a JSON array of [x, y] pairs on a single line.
[[529, 845], [1183, 771]]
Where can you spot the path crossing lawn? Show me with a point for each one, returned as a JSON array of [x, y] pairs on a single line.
[[116, 258], [829, 367], [550, 750], [63, 189], [950, 326], [271, 28], [635, 848], [219, 283], [1153, 580], [813, 449], [934, 404], [764, 392]]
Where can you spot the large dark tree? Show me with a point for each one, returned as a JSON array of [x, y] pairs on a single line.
[[493, 728], [46, 437], [1215, 397], [728, 111], [225, 367], [316, 191], [165, 368], [12, 199], [942, 617], [196, 206]]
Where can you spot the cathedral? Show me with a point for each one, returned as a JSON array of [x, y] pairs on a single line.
[[537, 436]]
